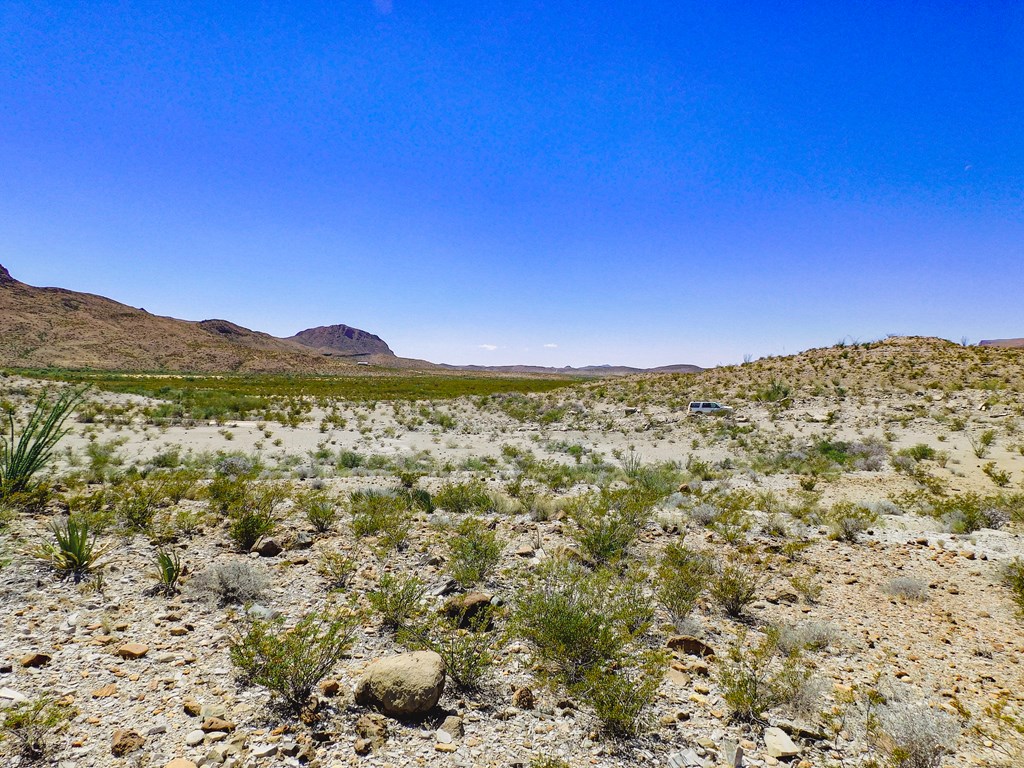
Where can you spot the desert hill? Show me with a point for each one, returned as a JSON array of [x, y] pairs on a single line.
[[55, 327], [1008, 343], [342, 340]]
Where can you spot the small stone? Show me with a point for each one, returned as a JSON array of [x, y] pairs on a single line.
[[9, 694], [372, 728], [691, 646], [132, 651], [267, 750], [35, 659], [406, 685], [443, 737], [524, 699], [212, 724], [268, 548], [125, 742], [194, 738], [466, 608], [156, 730], [180, 762], [330, 687], [452, 725], [192, 707], [438, 746], [363, 746], [778, 744], [105, 691]]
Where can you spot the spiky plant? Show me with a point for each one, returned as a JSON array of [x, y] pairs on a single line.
[[73, 552], [24, 453]]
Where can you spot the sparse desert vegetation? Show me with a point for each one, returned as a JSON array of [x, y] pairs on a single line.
[[492, 571]]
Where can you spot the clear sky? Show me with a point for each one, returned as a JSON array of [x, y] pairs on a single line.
[[548, 182]]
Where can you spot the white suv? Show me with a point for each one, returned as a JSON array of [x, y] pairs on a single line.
[[699, 407]]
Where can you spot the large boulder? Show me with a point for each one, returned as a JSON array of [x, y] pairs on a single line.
[[406, 685]]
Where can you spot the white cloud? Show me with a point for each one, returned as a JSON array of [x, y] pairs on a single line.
[[489, 347], [550, 346]]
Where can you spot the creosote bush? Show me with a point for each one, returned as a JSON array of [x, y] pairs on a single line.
[[735, 586], [474, 551], [757, 678], [291, 661], [463, 498], [466, 653], [319, 509], [385, 515], [1013, 578], [681, 578], [27, 728], [397, 599], [253, 515], [606, 523], [846, 520]]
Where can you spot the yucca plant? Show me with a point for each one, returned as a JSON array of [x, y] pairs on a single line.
[[24, 453], [168, 571], [74, 551]]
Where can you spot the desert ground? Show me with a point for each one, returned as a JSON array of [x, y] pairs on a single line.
[[823, 577]]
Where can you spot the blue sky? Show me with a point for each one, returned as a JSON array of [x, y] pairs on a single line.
[[547, 182]]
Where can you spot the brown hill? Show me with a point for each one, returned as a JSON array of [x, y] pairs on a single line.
[[43, 327], [342, 341], [1007, 343]]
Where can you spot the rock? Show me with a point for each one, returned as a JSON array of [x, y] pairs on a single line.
[[126, 741], [180, 762], [192, 707], [373, 729], [9, 694], [732, 754], [35, 659], [778, 744], [268, 548], [362, 746], [466, 608], [524, 699], [441, 747], [524, 551], [302, 541], [267, 750], [194, 738], [107, 690], [406, 685], [132, 651], [261, 612], [452, 725], [443, 737], [685, 759], [330, 687], [691, 646], [212, 724]]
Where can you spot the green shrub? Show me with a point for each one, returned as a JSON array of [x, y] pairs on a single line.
[[253, 515], [73, 552], [605, 524], [290, 662], [320, 510], [463, 498], [466, 653], [336, 568], [474, 552], [735, 586], [1013, 578], [681, 578], [386, 515], [397, 599], [25, 452], [563, 618], [28, 727], [622, 696], [756, 679], [136, 504], [846, 520]]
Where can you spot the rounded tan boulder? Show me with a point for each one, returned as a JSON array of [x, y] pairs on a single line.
[[406, 685]]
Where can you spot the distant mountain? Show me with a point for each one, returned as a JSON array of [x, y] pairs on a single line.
[[342, 341], [586, 370], [55, 327], [1008, 343]]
